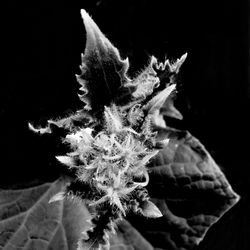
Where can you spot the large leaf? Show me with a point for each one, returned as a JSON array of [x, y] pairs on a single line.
[[28, 221], [190, 190]]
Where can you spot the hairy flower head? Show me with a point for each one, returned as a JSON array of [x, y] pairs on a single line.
[[114, 158]]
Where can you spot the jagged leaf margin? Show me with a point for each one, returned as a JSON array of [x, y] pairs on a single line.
[[103, 72]]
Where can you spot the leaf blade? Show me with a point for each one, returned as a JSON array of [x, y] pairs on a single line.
[[28, 221], [194, 194], [103, 71]]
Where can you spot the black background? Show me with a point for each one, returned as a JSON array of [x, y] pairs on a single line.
[[43, 47]]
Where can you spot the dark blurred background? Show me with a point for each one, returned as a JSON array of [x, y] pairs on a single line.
[[43, 47]]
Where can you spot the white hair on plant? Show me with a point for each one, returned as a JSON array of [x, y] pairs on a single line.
[[112, 138]]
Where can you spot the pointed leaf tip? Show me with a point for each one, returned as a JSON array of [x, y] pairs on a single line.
[[180, 62], [66, 160], [95, 38], [150, 210], [91, 31], [157, 101]]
